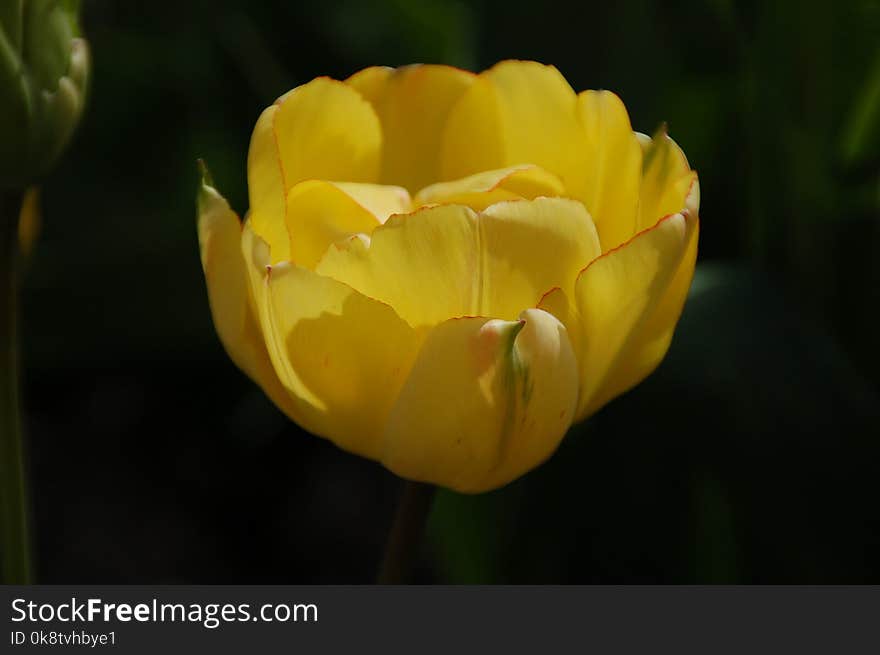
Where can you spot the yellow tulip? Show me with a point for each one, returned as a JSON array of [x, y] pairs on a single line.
[[443, 271]]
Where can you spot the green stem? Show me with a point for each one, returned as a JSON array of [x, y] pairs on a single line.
[[405, 538], [14, 535]]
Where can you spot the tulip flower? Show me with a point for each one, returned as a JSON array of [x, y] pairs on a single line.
[[443, 271]]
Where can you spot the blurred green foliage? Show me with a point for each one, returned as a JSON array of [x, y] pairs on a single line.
[[752, 454], [749, 456]]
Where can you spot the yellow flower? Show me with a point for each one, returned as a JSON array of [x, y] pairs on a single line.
[[443, 271]]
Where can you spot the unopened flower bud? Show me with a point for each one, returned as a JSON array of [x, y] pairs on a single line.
[[44, 69]]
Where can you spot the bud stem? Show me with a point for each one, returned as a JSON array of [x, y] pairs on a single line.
[[405, 538], [14, 534]]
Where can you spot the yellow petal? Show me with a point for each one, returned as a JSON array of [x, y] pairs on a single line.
[[371, 83], [517, 112], [229, 296], [608, 183], [257, 264], [320, 213], [651, 338], [380, 200], [483, 189], [345, 354], [326, 130], [529, 247], [446, 261], [423, 264], [320, 130], [413, 104], [668, 183], [486, 401], [266, 187], [472, 139], [644, 143], [625, 307]]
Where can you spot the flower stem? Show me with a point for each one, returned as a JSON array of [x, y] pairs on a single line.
[[405, 538], [14, 536]]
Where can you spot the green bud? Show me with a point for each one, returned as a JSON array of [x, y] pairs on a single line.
[[44, 69]]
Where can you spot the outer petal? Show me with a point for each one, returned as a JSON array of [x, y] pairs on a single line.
[[483, 189], [668, 183], [486, 401], [446, 261], [320, 213], [266, 186], [625, 307], [517, 112], [320, 130], [340, 355], [413, 104], [611, 167], [347, 354], [229, 295]]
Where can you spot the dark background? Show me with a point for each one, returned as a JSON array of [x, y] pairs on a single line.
[[752, 455]]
